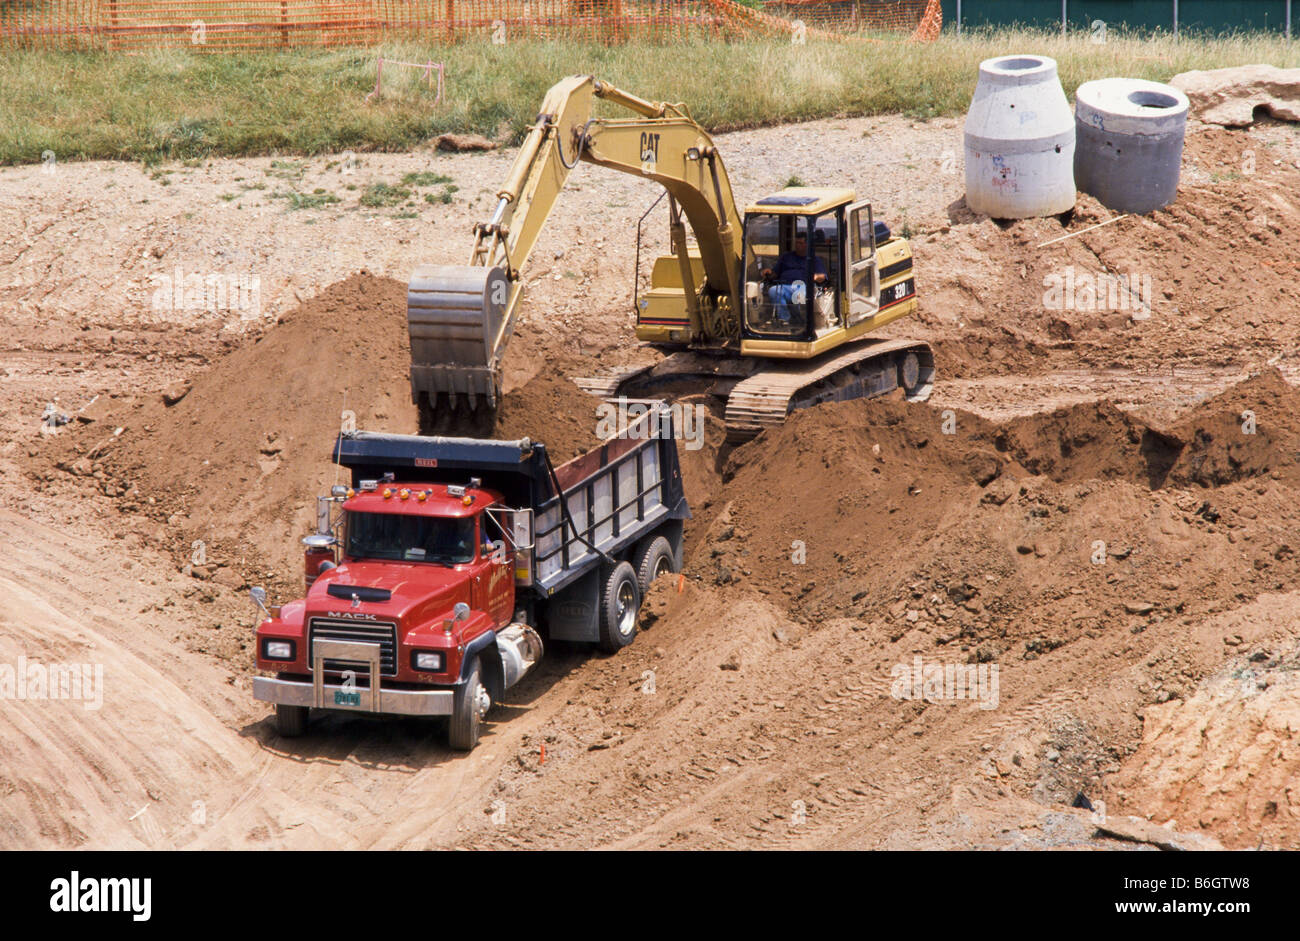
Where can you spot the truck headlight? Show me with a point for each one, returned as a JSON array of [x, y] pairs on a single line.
[[277, 650], [429, 661]]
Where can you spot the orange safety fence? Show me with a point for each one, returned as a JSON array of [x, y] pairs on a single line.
[[223, 25]]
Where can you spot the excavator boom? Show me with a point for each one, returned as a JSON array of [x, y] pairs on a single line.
[[461, 317]]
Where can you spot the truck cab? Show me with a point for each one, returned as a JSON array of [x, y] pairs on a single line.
[[417, 583]]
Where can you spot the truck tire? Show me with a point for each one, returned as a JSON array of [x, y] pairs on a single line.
[[467, 712], [290, 721], [655, 558], [618, 608]]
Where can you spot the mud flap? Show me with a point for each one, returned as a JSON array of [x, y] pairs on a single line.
[[574, 613]]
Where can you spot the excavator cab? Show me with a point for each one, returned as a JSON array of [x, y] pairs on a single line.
[[811, 271]]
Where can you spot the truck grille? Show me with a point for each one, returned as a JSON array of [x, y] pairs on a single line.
[[380, 632]]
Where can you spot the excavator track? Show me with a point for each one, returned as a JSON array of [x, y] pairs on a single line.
[[863, 371]]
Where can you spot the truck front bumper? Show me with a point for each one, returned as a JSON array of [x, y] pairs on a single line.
[[406, 702], [317, 694]]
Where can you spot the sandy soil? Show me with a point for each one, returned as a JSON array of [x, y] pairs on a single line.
[[757, 707]]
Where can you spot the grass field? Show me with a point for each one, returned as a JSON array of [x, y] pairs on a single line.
[[178, 105]]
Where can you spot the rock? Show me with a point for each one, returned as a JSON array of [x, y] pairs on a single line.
[[1137, 830], [229, 578], [463, 142], [1139, 607], [983, 466], [731, 663], [1000, 490], [1229, 97], [175, 392], [95, 410]]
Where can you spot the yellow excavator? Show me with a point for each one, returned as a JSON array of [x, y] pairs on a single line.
[[770, 311]]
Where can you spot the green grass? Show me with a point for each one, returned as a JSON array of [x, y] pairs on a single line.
[[313, 200], [177, 105], [425, 178], [379, 195]]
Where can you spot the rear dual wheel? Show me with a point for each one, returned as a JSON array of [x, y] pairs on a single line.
[[619, 604], [655, 558]]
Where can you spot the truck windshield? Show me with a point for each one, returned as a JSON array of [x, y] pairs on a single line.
[[410, 538]]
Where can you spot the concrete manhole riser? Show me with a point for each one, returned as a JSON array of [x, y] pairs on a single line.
[[1019, 140]]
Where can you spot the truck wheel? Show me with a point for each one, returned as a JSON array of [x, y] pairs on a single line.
[[656, 559], [470, 704], [290, 721], [618, 608]]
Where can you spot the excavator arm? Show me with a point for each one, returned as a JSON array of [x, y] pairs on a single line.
[[461, 317]]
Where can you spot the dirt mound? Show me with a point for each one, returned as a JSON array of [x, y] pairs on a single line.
[[1250, 430], [237, 457], [1089, 441], [234, 458], [551, 409], [1037, 529]]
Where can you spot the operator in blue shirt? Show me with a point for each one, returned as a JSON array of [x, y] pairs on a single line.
[[786, 278]]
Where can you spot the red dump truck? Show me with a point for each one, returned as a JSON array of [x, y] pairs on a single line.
[[434, 575]]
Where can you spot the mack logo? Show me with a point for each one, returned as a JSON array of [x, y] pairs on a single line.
[[350, 616], [574, 609]]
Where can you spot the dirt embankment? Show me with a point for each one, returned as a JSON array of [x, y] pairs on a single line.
[[235, 456]]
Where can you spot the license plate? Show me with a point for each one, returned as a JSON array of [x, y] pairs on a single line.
[[343, 698]]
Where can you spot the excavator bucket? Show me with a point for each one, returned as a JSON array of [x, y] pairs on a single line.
[[456, 315]]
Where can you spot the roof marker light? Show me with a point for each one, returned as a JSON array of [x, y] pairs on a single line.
[[404, 493]]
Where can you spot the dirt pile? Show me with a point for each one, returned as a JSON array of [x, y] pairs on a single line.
[[1250, 430], [1009, 538], [234, 457], [551, 409], [1063, 539], [1207, 281], [1089, 441]]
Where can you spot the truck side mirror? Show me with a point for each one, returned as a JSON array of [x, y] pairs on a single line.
[[258, 594], [459, 613]]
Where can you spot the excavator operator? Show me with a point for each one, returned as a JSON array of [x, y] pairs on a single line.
[[786, 279]]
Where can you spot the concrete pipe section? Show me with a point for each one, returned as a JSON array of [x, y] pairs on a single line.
[[1019, 140], [1130, 142]]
